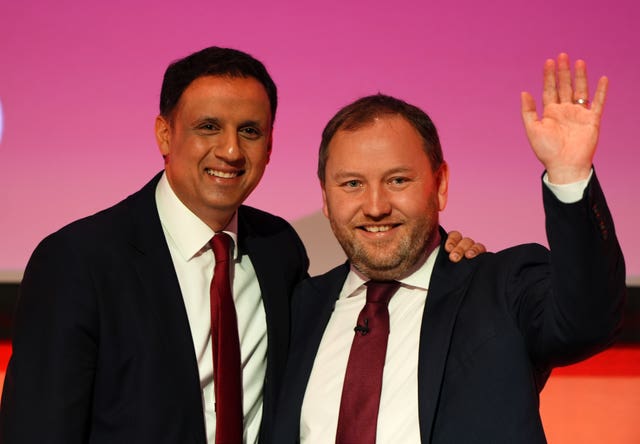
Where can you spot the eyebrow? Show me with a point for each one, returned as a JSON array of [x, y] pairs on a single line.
[[218, 121], [346, 173], [205, 119], [253, 123]]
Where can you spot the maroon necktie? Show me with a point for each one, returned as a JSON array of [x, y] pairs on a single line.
[[360, 400], [227, 374]]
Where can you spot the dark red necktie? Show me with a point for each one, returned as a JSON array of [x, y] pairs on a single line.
[[227, 374], [360, 400]]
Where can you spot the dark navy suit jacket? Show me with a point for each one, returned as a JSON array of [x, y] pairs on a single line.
[[492, 329], [102, 350]]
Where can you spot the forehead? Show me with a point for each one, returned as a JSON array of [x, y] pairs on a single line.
[[387, 140], [244, 95]]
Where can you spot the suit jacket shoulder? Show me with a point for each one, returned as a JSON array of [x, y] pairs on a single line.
[[103, 293], [280, 262]]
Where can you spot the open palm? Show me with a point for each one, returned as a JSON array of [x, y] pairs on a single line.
[[564, 139]]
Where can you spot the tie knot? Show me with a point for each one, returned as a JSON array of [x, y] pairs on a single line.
[[381, 291], [220, 244]]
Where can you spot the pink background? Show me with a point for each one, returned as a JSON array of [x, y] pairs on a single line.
[[79, 86]]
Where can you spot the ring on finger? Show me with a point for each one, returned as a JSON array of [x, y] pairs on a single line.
[[583, 102]]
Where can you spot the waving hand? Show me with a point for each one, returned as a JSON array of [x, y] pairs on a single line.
[[564, 138]]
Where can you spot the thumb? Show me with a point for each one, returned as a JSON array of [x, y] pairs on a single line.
[[528, 109]]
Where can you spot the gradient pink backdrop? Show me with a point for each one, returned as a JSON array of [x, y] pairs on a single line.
[[79, 86]]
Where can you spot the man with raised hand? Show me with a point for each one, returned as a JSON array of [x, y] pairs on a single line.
[[399, 345]]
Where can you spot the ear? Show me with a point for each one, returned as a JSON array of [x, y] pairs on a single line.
[[270, 145], [442, 182], [325, 208], [163, 135]]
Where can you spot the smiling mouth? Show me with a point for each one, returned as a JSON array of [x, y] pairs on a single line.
[[376, 228], [223, 174]]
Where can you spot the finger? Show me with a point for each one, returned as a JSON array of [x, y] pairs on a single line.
[[475, 250], [453, 238], [549, 90], [460, 249], [565, 94], [581, 86], [597, 106], [528, 109]]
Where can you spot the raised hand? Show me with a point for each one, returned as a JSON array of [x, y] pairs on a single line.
[[564, 139]]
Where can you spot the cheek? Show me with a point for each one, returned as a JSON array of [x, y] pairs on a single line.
[[409, 204], [258, 167], [347, 212], [336, 207], [179, 157], [194, 147], [416, 204], [257, 155]]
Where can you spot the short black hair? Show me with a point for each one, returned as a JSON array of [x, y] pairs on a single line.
[[213, 61]]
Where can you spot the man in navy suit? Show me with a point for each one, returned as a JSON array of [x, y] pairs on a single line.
[[112, 330], [112, 340], [471, 344]]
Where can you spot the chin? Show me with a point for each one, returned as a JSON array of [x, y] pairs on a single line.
[[380, 272]]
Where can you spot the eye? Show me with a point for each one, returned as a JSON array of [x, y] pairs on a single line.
[[251, 132], [208, 127], [352, 183], [398, 180]]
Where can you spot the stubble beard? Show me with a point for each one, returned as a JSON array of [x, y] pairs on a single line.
[[388, 261]]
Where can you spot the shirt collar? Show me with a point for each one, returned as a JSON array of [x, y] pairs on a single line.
[[188, 232]]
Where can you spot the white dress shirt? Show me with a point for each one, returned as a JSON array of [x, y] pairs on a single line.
[[398, 414], [188, 239], [398, 420]]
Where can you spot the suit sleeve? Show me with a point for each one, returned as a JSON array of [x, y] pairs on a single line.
[[48, 385], [573, 307]]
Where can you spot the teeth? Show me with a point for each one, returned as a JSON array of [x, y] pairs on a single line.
[[377, 228], [222, 174]]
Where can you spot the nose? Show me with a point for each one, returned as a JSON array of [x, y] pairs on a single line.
[[376, 203], [228, 148]]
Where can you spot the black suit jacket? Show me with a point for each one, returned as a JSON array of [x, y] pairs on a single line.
[[102, 350], [492, 328]]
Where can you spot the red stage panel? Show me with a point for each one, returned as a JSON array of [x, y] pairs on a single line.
[[617, 361], [593, 402], [591, 409]]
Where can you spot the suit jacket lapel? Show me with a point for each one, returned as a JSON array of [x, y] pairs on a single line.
[[446, 291], [275, 298], [278, 268], [313, 304], [262, 250], [154, 266]]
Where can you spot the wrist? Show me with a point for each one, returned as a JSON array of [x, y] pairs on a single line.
[[566, 175]]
